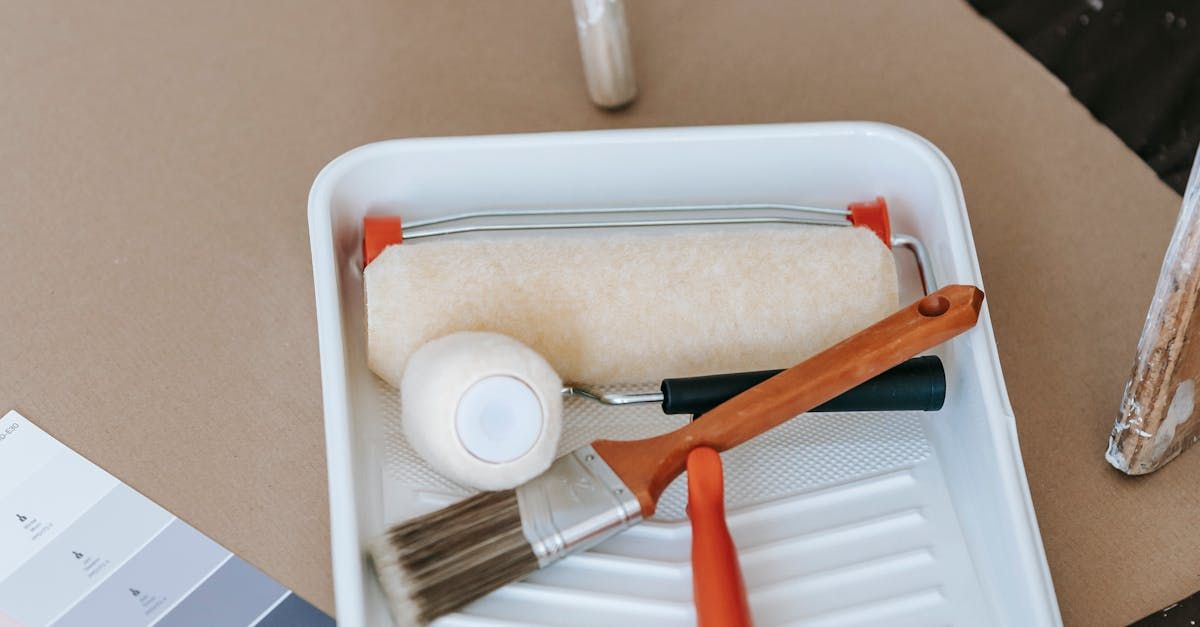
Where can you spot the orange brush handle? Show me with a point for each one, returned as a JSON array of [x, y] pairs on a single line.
[[717, 587], [648, 466]]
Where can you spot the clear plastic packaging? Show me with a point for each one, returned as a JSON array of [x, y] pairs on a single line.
[[1155, 422]]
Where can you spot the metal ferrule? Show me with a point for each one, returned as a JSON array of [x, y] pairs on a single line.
[[574, 505]]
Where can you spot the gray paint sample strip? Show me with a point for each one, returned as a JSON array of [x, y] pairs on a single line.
[[81, 557], [296, 612], [234, 595], [160, 575]]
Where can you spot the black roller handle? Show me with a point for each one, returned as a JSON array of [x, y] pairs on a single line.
[[918, 384]]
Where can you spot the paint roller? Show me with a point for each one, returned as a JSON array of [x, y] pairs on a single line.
[[608, 302], [486, 411], [730, 288]]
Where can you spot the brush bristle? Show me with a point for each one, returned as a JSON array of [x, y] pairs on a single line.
[[437, 563]]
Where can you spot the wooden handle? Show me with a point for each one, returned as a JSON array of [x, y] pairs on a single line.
[[648, 466]]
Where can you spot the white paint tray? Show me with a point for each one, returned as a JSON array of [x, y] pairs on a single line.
[[902, 518]]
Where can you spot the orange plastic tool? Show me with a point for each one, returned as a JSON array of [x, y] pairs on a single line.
[[717, 587], [873, 215], [379, 232]]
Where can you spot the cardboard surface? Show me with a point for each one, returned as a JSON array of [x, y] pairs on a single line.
[[156, 306]]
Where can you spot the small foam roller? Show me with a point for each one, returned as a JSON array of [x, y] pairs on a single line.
[[487, 439], [634, 305]]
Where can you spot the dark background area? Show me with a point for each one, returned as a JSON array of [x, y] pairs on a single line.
[[1135, 65]]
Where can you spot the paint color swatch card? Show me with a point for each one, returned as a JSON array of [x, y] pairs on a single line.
[[80, 548]]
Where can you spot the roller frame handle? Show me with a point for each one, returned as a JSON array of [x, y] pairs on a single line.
[[918, 384], [648, 466]]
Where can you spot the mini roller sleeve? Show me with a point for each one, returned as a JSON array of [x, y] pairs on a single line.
[[918, 384]]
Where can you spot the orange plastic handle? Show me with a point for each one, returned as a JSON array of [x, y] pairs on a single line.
[[717, 587]]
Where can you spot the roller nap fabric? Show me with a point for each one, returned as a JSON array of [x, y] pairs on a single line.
[[634, 305]]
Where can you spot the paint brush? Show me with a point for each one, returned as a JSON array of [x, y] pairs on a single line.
[[437, 563]]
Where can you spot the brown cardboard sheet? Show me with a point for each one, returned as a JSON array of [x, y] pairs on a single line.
[[156, 309]]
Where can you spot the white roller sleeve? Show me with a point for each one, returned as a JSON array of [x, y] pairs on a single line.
[[482, 409], [634, 305]]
